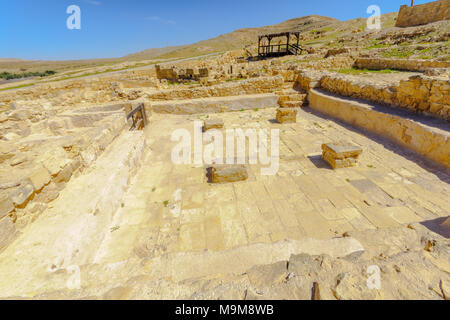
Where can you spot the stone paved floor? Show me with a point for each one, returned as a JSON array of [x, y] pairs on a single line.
[[171, 208]]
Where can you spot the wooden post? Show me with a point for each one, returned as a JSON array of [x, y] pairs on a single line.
[[287, 45], [412, 3], [259, 46]]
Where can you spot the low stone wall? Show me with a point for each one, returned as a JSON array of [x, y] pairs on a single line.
[[234, 88], [399, 64], [309, 79], [216, 104], [336, 62], [358, 88], [423, 13], [428, 141], [419, 94], [424, 94]]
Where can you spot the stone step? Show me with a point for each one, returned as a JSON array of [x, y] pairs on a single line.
[[216, 104], [292, 97], [104, 280], [291, 104]]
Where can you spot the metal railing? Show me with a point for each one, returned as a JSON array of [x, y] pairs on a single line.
[[138, 117], [279, 49]]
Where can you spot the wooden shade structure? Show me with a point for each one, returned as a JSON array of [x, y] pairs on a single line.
[[275, 50]]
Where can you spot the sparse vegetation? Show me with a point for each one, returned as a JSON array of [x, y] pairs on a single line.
[[356, 71], [18, 87], [377, 46], [401, 53], [10, 76]]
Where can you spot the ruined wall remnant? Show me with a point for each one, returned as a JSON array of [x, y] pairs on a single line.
[[423, 13], [176, 74], [399, 64], [420, 94], [233, 88]]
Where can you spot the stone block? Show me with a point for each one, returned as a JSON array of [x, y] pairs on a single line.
[[291, 104], [7, 231], [287, 115], [6, 205], [7, 151], [342, 151], [341, 155], [23, 193], [227, 173], [292, 97], [18, 159], [56, 161], [212, 124], [39, 178], [67, 171]]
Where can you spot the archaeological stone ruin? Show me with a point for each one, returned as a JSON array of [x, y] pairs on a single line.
[[272, 171]]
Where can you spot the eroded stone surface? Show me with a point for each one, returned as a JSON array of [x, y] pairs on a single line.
[[227, 173], [286, 115], [212, 124]]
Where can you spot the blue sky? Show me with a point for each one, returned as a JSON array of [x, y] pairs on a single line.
[[36, 29]]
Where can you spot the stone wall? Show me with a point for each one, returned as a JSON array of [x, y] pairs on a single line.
[[233, 88], [423, 13], [420, 94], [399, 64], [176, 73]]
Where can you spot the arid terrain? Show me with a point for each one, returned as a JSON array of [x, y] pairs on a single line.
[[93, 205]]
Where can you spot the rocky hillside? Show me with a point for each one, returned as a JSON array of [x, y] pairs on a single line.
[[318, 31], [244, 37]]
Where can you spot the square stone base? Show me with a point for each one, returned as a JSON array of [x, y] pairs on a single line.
[[212, 124], [341, 155], [287, 115], [226, 173]]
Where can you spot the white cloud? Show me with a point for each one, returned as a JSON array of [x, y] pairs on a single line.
[[161, 20], [94, 2]]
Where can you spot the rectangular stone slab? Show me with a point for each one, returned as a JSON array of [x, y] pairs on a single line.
[[6, 204], [342, 151], [287, 115], [226, 173], [212, 124], [339, 163]]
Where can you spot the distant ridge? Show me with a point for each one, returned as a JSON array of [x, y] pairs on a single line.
[[234, 40]]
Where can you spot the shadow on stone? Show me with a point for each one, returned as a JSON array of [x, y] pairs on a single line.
[[319, 162], [440, 226], [209, 174], [427, 164]]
